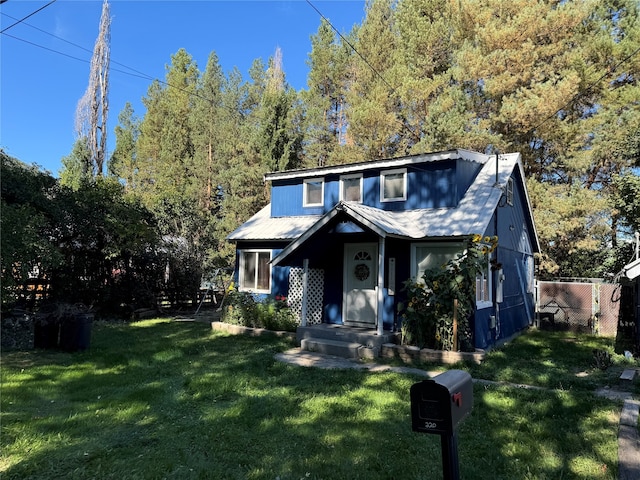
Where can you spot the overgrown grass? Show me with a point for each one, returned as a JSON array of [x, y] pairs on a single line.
[[160, 399]]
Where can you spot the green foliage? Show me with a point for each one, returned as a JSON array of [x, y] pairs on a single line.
[[442, 294], [626, 199], [28, 225], [76, 167], [92, 244], [272, 313], [555, 81]]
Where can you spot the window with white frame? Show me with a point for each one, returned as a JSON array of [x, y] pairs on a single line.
[[483, 286], [393, 185], [313, 192], [510, 191], [426, 256], [351, 188], [255, 271]]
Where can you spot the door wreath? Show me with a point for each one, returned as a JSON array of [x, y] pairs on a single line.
[[361, 272]]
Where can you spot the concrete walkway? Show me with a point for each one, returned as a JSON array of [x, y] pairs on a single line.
[[628, 437]]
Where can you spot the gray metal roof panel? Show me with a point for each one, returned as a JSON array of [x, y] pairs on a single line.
[[263, 227]]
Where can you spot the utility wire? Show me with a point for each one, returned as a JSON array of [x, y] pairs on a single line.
[[24, 18], [344, 39], [140, 74], [137, 73], [403, 124]]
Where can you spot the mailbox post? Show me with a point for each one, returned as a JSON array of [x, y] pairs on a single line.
[[438, 406]]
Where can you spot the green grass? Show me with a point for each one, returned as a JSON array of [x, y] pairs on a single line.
[[159, 399], [557, 360]]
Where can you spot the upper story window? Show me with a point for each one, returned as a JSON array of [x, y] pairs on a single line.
[[313, 192], [509, 191], [351, 188], [393, 185], [255, 271]]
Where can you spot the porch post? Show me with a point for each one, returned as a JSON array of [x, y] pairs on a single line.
[[305, 291], [380, 286]]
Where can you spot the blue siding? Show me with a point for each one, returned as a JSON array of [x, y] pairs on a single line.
[[516, 311], [429, 185]]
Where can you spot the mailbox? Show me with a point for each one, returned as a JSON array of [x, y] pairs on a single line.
[[440, 404]]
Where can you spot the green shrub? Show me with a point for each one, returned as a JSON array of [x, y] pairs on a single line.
[[272, 313]]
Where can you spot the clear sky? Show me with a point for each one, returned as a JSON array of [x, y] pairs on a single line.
[[42, 77]]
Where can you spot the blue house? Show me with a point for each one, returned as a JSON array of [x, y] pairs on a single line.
[[340, 241]]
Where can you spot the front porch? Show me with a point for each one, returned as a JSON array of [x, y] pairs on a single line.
[[344, 341]]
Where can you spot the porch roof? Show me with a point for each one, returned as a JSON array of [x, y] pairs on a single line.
[[262, 226]]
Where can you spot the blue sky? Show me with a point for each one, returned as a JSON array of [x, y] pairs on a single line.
[[43, 77]]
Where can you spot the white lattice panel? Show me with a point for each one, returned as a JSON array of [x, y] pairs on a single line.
[[315, 294]]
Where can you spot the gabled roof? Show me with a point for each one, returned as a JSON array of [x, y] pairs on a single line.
[[472, 214]]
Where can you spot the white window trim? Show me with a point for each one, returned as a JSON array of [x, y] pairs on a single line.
[[403, 171], [480, 304], [304, 192], [241, 279], [351, 177], [414, 268], [414, 258], [509, 188]]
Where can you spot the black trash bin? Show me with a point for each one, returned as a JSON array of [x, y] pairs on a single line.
[[46, 330], [75, 332]]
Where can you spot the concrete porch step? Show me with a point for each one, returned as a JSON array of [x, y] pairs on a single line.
[[364, 336], [338, 348]]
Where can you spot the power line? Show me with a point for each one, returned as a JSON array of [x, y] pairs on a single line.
[[140, 74], [403, 124], [344, 39], [137, 73], [24, 18]]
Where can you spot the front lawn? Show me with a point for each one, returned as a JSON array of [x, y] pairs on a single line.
[[161, 399]]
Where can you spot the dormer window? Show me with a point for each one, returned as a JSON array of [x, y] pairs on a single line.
[[393, 185], [351, 188], [313, 192]]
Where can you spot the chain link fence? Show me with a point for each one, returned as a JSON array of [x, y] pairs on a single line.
[[578, 306]]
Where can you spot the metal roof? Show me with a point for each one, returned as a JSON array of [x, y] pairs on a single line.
[[375, 164], [472, 214], [263, 227]]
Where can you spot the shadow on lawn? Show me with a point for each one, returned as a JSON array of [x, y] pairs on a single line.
[[161, 400]]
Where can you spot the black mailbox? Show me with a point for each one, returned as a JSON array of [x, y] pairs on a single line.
[[438, 405]]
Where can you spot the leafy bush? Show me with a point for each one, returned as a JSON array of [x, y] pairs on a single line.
[[427, 319], [246, 309]]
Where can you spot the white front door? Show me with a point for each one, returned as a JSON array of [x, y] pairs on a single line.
[[360, 278]]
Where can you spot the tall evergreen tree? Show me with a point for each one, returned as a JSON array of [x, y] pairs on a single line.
[[122, 163], [278, 139], [325, 100], [374, 115]]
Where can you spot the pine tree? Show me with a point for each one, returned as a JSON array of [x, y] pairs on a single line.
[[324, 102], [374, 114], [122, 163]]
